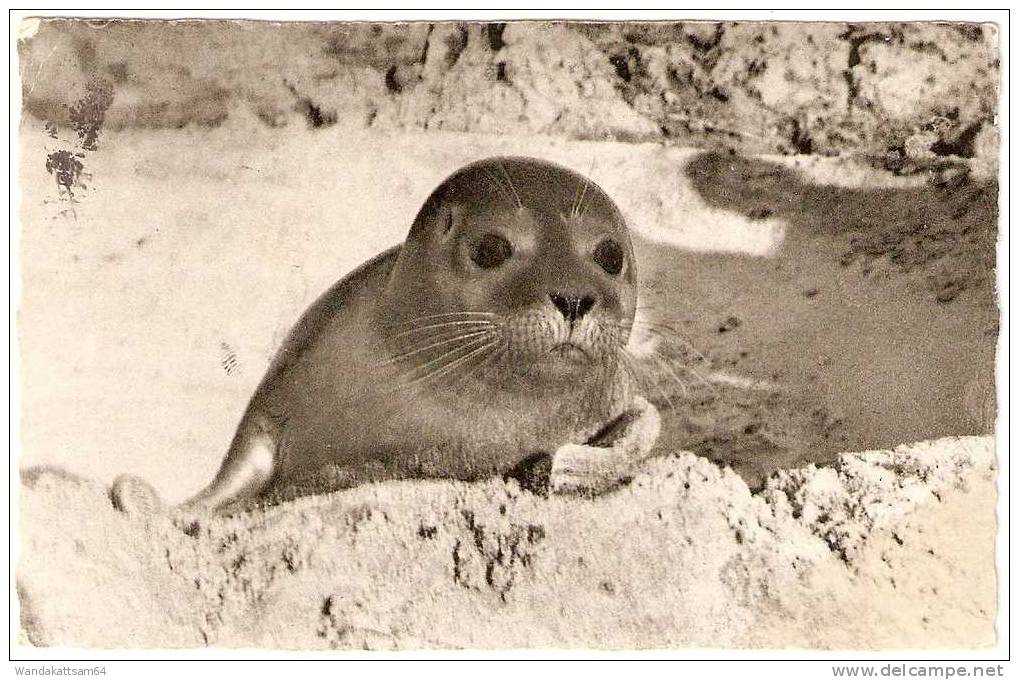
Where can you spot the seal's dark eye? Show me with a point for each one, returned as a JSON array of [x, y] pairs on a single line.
[[609, 256], [491, 251]]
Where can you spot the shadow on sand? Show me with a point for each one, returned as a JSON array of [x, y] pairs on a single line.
[[876, 320]]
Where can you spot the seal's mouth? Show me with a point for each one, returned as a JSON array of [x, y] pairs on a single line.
[[562, 361], [570, 352]]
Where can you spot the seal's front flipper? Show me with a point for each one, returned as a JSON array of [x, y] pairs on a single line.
[[533, 473], [610, 456], [134, 496]]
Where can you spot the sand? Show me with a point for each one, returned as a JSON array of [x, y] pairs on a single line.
[[884, 550], [153, 302]]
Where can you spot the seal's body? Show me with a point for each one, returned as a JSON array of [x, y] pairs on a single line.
[[497, 331]]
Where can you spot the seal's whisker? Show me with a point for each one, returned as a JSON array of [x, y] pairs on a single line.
[[680, 350], [498, 185], [432, 345], [576, 198], [423, 323], [587, 183], [486, 360], [450, 365], [457, 313], [641, 377], [449, 355], [449, 327], [665, 327], [509, 180], [445, 315], [700, 378], [461, 360], [668, 369], [672, 340], [668, 328], [580, 200], [669, 334], [678, 360], [678, 355]]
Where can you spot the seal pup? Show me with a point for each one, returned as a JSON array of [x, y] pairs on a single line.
[[496, 333]]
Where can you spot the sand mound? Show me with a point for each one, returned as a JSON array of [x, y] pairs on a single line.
[[885, 549]]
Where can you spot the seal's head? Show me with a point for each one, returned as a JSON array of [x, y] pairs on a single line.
[[513, 265]]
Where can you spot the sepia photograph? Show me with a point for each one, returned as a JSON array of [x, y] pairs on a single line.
[[445, 335]]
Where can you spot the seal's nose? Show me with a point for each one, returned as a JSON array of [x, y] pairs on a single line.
[[572, 307]]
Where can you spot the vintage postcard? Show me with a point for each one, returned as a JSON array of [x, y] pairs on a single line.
[[515, 335]]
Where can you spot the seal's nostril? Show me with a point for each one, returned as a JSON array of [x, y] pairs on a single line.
[[571, 306], [584, 305]]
